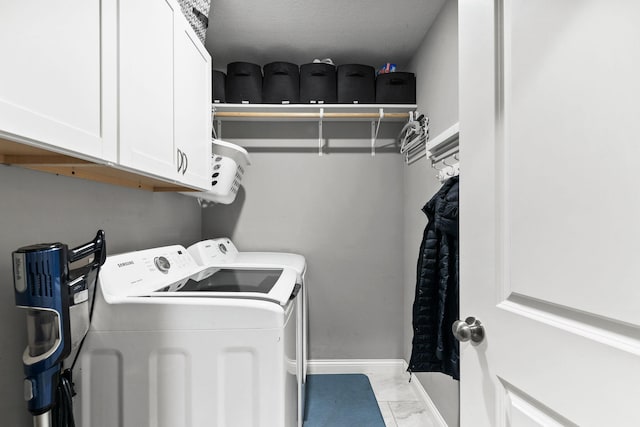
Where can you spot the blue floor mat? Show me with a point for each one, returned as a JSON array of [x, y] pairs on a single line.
[[344, 400]]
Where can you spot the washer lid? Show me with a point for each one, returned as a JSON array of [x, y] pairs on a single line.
[[272, 260], [272, 284]]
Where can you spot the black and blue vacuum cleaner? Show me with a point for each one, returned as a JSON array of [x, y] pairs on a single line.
[[57, 301]]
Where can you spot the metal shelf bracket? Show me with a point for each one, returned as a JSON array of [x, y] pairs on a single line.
[[320, 139], [374, 131]]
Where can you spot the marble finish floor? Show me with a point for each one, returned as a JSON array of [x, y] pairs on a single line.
[[400, 405]]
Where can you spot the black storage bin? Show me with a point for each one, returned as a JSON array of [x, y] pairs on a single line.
[[356, 84], [281, 83], [396, 88], [318, 83], [244, 83], [217, 86]]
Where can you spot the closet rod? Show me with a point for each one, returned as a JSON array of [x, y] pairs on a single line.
[[284, 115]]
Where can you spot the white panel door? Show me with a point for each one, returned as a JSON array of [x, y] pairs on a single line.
[[146, 86], [192, 106], [550, 208], [58, 75]]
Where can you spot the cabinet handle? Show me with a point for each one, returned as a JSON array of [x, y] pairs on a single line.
[[180, 160], [186, 163]]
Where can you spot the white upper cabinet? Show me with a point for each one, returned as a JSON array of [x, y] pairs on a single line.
[[192, 121], [146, 86], [58, 75], [123, 83], [165, 93]]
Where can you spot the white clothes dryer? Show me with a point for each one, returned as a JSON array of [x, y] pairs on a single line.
[[172, 344], [222, 253]]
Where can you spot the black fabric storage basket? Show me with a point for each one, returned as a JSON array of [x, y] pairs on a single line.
[[217, 86], [318, 83], [244, 83], [281, 83], [396, 88], [356, 84]]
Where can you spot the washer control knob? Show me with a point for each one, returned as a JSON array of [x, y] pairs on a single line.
[[222, 248], [162, 264]]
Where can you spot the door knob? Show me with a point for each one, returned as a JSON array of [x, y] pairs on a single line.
[[469, 329]]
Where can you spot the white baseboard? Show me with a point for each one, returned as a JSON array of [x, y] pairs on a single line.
[[375, 366], [355, 366], [420, 391]]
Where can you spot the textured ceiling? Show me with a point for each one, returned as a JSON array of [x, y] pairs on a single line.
[[348, 31]]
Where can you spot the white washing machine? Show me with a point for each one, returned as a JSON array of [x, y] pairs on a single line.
[[222, 253], [174, 344]]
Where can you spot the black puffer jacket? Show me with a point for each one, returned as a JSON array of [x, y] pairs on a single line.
[[436, 303]]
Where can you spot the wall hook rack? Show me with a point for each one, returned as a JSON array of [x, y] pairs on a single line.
[[443, 147]]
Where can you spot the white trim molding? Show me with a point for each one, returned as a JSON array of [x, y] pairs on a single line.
[[356, 366], [420, 391]]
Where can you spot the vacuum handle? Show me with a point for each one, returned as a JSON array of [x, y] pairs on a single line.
[[96, 246]]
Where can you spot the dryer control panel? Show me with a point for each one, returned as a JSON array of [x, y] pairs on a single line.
[[214, 251], [143, 272]]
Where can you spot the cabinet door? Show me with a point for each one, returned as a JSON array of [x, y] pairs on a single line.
[[146, 86], [58, 75], [192, 106]]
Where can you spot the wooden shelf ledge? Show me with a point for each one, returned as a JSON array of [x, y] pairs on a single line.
[[312, 112], [43, 160], [34, 158], [311, 116]]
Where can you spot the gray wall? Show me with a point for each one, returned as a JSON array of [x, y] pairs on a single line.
[[436, 67], [342, 211], [37, 207], [355, 217]]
